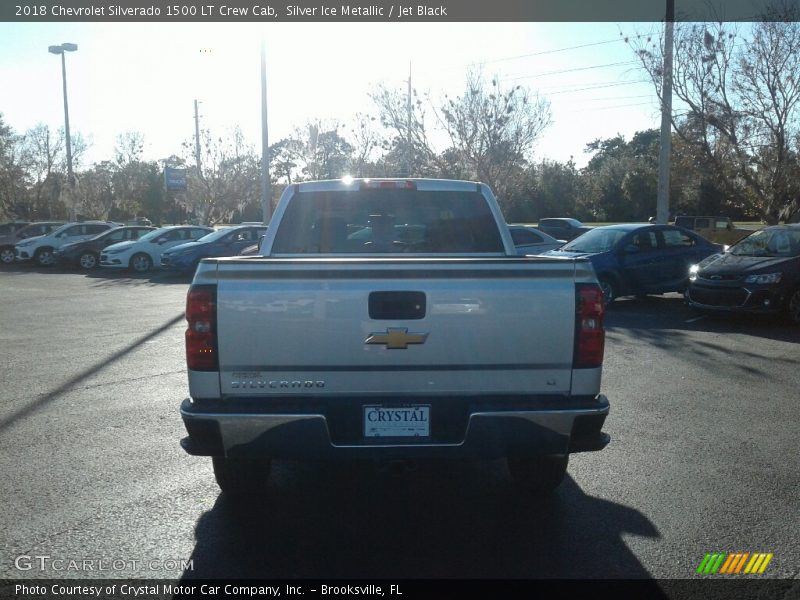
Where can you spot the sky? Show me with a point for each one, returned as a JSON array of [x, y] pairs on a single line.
[[144, 77]]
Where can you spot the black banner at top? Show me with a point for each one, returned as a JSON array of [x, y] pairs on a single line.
[[270, 11]]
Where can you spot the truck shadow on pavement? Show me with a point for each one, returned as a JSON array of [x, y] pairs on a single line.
[[45, 399], [442, 520], [718, 343], [104, 277], [117, 278], [660, 315]]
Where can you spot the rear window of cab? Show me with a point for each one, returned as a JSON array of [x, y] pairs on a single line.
[[387, 221]]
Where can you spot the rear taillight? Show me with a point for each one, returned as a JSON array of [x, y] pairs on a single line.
[[201, 335], [589, 332]]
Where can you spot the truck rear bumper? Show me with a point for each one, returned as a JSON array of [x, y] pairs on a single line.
[[484, 428]]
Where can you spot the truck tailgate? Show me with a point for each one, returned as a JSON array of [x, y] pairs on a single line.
[[438, 326]]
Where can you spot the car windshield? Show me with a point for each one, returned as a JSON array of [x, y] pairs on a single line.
[[60, 229], [769, 242], [596, 240], [214, 235], [101, 234], [154, 234]]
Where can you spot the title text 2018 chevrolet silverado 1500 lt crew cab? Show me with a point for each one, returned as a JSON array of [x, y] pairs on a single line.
[[392, 319]]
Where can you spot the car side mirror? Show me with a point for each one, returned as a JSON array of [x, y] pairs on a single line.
[[160, 241]]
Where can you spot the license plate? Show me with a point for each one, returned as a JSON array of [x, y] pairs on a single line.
[[397, 421]]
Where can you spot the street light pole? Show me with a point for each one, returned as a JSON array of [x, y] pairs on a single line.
[[62, 49], [66, 119], [266, 185], [665, 149]]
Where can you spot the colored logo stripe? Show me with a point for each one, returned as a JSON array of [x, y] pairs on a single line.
[[733, 563], [711, 563], [758, 563]]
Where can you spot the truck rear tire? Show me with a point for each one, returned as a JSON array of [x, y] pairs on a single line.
[[240, 478], [540, 474]]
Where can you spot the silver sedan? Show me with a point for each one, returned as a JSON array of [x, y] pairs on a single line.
[[529, 240]]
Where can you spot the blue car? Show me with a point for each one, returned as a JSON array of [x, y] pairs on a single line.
[[223, 242], [640, 259]]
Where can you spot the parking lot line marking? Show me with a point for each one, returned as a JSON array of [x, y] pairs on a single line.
[[695, 319]]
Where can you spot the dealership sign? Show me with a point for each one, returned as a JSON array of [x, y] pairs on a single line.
[[175, 179]]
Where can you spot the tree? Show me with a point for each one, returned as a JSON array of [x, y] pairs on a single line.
[[153, 203], [96, 190], [408, 151], [285, 158], [620, 180], [129, 148], [129, 174], [12, 174], [324, 154], [494, 131], [44, 162], [365, 141], [229, 179], [548, 189], [741, 94]]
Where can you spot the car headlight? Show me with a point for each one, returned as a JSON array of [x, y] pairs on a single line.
[[25, 244], [693, 272], [115, 250], [764, 278]]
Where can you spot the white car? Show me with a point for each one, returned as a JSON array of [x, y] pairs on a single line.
[[140, 255], [529, 240], [42, 248]]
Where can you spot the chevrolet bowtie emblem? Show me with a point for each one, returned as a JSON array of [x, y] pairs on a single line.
[[396, 338]]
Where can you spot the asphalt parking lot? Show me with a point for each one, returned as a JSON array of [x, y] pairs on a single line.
[[703, 458]]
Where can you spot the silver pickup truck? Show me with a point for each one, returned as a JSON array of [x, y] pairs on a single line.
[[392, 320]]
